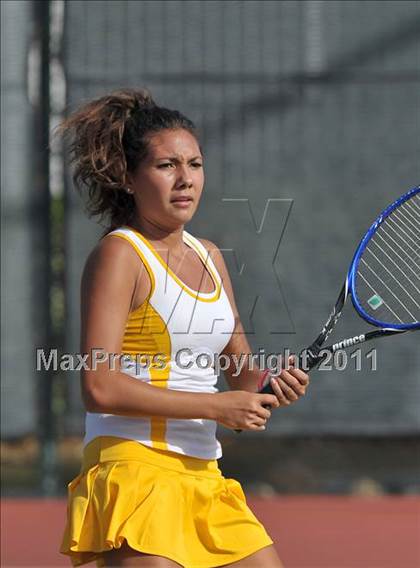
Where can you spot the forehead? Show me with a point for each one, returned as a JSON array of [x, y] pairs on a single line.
[[173, 142]]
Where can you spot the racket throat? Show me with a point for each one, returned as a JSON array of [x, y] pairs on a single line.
[[332, 319], [310, 357]]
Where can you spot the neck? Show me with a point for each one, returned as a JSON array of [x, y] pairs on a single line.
[[172, 238]]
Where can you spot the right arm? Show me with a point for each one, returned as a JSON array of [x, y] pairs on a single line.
[[114, 283]]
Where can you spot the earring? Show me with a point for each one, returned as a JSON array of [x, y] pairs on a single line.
[[128, 190]]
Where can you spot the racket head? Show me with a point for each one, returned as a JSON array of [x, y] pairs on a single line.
[[384, 275]]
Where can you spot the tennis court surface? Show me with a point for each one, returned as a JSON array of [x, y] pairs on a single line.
[[309, 531]]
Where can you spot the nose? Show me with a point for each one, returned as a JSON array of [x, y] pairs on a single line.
[[184, 178]]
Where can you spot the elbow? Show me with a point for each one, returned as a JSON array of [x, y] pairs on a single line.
[[93, 396], [92, 402]]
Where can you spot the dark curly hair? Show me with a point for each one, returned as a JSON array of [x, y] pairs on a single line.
[[109, 138]]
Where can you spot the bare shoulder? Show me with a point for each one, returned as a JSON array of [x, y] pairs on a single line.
[[211, 247], [114, 274], [217, 257], [110, 255]]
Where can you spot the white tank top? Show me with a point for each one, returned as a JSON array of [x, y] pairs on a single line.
[[172, 340]]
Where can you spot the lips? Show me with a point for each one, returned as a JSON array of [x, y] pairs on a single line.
[[181, 199]]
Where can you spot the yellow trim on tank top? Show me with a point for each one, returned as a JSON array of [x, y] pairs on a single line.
[[193, 293], [151, 338], [158, 377], [214, 274]]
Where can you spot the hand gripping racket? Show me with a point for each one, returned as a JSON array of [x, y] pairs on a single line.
[[383, 281]]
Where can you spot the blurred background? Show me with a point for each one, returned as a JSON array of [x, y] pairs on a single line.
[[309, 116]]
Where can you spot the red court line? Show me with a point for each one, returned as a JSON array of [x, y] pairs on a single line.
[[310, 532]]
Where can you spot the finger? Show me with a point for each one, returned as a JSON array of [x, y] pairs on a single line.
[[281, 397], [292, 383], [290, 386], [259, 421], [264, 412], [268, 400], [287, 390], [300, 375], [291, 362], [260, 412], [255, 426]]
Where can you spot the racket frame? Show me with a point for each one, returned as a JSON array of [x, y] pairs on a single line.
[[313, 357], [351, 278]]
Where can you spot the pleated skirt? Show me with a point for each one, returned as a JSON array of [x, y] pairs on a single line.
[[160, 503]]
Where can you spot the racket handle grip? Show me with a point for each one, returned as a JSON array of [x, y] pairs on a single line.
[[306, 362]]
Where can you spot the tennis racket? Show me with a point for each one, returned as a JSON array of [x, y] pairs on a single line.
[[383, 281]]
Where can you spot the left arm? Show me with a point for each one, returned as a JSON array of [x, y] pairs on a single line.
[[288, 386]]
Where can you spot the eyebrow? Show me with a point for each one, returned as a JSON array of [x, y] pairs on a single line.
[[176, 159]]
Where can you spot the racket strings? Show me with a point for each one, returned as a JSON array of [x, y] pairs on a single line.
[[407, 220], [402, 278], [415, 203], [398, 251], [408, 225], [404, 261], [410, 214], [399, 279], [385, 290], [404, 258], [410, 231], [406, 239], [385, 308], [388, 273]]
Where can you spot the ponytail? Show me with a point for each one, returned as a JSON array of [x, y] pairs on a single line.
[[109, 139]]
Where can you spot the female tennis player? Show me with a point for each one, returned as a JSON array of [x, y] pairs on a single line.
[[157, 304]]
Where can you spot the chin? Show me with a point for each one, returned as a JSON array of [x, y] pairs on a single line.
[[182, 216], [184, 219]]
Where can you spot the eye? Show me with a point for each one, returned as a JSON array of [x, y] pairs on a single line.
[[197, 165], [161, 166]]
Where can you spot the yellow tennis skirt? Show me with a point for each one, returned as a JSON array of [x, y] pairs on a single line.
[[161, 503]]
